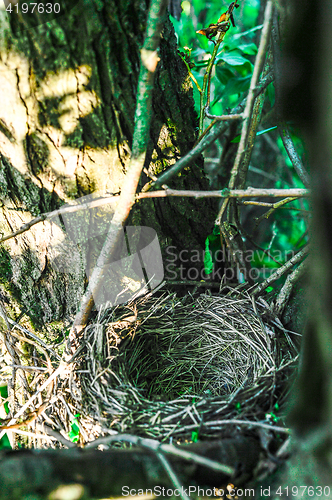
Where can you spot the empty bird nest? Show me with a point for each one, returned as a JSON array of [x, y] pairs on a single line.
[[170, 367]]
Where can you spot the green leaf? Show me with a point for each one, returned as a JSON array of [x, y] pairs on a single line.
[[237, 85], [248, 48], [4, 441], [233, 58], [74, 434], [224, 74], [194, 436], [208, 262]]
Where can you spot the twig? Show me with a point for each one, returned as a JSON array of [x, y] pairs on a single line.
[[250, 192], [254, 122], [282, 270], [208, 72], [292, 153], [60, 211], [153, 194], [62, 367], [287, 288], [234, 421], [206, 139], [56, 435], [172, 476], [250, 424], [165, 448], [274, 207], [143, 114], [33, 336], [33, 434], [206, 82], [223, 117]]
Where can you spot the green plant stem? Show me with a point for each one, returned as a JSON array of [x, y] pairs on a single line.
[[192, 76], [207, 83]]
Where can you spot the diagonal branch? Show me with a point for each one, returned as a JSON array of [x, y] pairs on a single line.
[[250, 100], [207, 139], [149, 61]]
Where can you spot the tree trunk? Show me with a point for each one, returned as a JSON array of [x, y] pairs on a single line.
[[68, 92]]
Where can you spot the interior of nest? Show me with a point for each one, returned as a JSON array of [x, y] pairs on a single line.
[[167, 348]]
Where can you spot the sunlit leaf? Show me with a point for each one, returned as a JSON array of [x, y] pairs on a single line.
[[233, 58], [248, 48]]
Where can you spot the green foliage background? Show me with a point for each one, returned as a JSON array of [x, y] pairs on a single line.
[[230, 82]]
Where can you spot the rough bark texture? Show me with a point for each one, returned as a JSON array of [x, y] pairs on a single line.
[[67, 113]]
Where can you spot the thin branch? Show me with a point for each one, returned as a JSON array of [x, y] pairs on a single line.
[[143, 114], [275, 207], [254, 122], [288, 286], [261, 54], [222, 117], [208, 72], [172, 476], [293, 154], [272, 205], [207, 82], [279, 272], [250, 192], [63, 210], [249, 424], [154, 445]]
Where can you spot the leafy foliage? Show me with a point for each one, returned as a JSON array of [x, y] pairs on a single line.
[[233, 67], [233, 63]]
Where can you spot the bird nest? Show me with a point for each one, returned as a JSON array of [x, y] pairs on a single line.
[[170, 367]]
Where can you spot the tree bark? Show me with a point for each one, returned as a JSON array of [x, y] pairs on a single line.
[[68, 103]]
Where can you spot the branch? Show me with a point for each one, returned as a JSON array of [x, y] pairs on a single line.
[[250, 100], [251, 95], [292, 153], [106, 200], [275, 207], [250, 192], [63, 210], [205, 140], [149, 61], [287, 288], [279, 272]]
